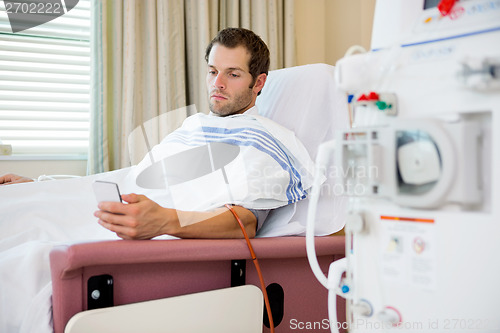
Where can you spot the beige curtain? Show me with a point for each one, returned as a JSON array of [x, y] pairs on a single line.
[[149, 67]]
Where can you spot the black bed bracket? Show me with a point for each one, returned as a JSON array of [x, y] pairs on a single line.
[[238, 272], [100, 292]]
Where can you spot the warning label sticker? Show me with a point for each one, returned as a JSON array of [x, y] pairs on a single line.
[[408, 251]]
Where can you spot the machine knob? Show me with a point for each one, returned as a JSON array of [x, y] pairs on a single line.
[[362, 308], [390, 316]]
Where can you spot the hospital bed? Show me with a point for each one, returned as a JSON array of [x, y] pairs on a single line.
[[100, 274]]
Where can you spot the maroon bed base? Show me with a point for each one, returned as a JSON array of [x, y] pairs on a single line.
[[146, 270]]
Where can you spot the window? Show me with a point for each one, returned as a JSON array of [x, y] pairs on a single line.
[[44, 84]]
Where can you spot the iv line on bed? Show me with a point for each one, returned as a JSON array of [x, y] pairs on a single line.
[[42, 178]]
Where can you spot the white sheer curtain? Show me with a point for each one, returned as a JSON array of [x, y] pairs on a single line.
[[148, 65]]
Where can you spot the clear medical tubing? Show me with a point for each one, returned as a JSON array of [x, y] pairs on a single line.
[[337, 269], [324, 152]]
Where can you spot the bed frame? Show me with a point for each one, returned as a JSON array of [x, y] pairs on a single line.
[[127, 272]]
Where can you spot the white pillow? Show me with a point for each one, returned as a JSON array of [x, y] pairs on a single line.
[[306, 100]]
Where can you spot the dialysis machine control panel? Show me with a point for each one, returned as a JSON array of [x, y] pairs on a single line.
[[417, 168]]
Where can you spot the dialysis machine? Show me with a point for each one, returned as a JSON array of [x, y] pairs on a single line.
[[420, 168]]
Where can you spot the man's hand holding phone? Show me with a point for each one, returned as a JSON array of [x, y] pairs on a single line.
[[132, 216], [106, 191]]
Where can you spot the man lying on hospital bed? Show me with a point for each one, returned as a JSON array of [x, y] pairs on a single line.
[[269, 157]]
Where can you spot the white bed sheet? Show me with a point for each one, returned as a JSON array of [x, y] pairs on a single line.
[[58, 212]]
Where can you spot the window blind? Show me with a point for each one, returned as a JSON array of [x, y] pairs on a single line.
[[44, 84]]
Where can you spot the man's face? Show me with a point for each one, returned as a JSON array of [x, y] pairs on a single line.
[[229, 81]]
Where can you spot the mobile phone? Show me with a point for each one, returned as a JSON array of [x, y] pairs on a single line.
[[106, 191]]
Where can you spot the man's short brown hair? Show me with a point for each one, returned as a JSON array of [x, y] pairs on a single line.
[[234, 37]]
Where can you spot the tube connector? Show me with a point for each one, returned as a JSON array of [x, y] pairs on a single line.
[[362, 308], [390, 316]]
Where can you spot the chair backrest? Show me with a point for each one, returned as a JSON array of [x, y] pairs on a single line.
[[305, 99]]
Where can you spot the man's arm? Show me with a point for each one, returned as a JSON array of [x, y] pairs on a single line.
[[142, 218], [13, 179]]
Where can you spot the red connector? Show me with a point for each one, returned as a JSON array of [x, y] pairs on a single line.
[[445, 6], [372, 96]]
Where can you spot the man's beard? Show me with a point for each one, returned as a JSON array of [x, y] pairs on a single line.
[[239, 103]]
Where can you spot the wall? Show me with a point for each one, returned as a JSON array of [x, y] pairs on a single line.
[[325, 29], [33, 167]]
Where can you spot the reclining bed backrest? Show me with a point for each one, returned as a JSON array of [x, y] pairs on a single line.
[[305, 99]]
